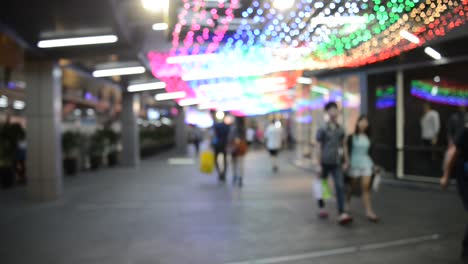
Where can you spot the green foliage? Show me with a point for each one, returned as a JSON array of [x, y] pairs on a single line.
[[97, 143], [70, 142]]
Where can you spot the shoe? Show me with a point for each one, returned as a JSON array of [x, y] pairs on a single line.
[[241, 182], [323, 214], [345, 219], [373, 218], [222, 178]]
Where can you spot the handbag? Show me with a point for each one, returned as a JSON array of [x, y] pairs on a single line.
[[239, 147], [207, 162]]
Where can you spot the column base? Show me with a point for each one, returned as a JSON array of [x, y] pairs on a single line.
[[44, 190]]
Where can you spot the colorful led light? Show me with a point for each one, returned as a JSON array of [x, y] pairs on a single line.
[[443, 94], [208, 55], [385, 97]]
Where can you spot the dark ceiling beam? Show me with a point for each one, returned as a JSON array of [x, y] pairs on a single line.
[[121, 24]]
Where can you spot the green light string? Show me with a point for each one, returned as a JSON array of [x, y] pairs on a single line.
[[385, 15], [383, 92], [442, 91]]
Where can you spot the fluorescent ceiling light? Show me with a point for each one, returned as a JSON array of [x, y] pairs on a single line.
[[320, 90], [119, 71], [208, 105], [155, 5], [18, 105], [192, 58], [189, 102], [433, 53], [146, 87], [332, 20], [410, 37], [170, 96], [65, 42], [160, 26], [283, 4], [304, 80]]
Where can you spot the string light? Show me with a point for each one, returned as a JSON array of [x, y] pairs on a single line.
[[310, 25], [438, 94]]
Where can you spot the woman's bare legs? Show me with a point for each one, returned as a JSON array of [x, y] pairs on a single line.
[[366, 181], [349, 192]]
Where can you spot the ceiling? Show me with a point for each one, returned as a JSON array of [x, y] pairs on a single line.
[[236, 43]]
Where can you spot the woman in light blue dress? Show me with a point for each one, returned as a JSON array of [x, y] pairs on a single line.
[[361, 165]]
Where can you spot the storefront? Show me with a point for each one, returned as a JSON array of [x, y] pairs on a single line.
[[394, 101]]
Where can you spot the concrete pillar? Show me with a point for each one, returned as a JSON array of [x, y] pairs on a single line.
[[181, 132], [363, 90], [44, 118], [130, 131], [400, 124]]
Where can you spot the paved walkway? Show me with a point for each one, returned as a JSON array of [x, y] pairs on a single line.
[[161, 213]]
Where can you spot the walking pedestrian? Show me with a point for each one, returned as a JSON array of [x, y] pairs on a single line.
[[238, 150], [250, 136], [361, 167], [457, 166], [219, 142], [456, 124], [195, 137], [274, 138], [332, 143]]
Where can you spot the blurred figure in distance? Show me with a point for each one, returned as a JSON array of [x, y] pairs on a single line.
[[195, 137], [219, 142], [274, 138], [430, 128], [250, 136], [238, 149]]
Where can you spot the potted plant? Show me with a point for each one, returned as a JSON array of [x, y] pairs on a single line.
[[96, 149], [70, 145], [111, 140], [9, 136]]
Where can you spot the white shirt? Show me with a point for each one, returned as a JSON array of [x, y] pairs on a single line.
[[250, 134], [273, 136], [430, 125]]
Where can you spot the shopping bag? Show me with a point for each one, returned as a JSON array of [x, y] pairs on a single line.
[[207, 162], [376, 179], [326, 192]]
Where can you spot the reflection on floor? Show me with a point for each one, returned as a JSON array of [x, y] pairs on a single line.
[[162, 213]]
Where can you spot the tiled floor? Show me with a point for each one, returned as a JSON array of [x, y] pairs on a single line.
[[160, 213]]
